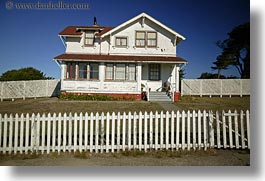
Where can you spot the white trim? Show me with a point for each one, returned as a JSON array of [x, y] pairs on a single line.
[[144, 15]]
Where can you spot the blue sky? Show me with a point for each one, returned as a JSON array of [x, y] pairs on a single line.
[[30, 37]]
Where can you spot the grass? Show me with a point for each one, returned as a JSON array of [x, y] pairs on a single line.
[[214, 103], [54, 105]]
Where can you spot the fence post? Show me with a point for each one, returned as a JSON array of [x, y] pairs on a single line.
[[248, 128]]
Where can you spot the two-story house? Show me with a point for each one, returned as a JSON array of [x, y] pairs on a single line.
[[138, 55]]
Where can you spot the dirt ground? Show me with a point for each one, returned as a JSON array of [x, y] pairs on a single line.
[[159, 158]]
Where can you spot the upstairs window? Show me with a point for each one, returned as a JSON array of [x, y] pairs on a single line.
[[151, 39], [89, 38], [140, 39], [121, 41]]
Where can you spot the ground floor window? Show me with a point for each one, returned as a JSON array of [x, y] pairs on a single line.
[[154, 72], [82, 71], [120, 71]]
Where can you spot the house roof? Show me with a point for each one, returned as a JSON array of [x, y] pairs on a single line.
[[75, 30], [118, 58], [144, 15]]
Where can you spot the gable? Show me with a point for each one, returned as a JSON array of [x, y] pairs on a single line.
[[144, 19]]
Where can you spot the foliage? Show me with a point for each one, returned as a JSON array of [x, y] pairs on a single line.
[[207, 75], [236, 49], [220, 64], [94, 97], [28, 73]]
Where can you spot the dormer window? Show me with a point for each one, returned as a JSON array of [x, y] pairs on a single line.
[[89, 38]]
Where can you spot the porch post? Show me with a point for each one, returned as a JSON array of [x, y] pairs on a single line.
[[63, 71], [139, 76], [101, 72], [177, 79]]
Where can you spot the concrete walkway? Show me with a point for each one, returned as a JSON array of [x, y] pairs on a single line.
[[169, 106]]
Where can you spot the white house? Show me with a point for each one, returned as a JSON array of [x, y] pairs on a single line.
[[138, 55]]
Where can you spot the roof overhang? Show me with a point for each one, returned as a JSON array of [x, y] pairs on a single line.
[[119, 58]]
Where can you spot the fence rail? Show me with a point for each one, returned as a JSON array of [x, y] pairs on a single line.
[[29, 89], [127, 131], [221, 87]]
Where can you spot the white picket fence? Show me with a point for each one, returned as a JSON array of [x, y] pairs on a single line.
[[115, 132]]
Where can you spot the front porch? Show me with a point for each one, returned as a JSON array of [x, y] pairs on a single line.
[[119, 75]]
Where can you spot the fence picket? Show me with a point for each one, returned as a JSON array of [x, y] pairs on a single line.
[[134, 130], [172, 130], [151, 144], [107, 132], [86, 131], [10, 140], [145, 131], [59, 133], [54, 132], [188, 130], [194, 129], [21, 137], [129, 130], [167, 130], [118, 131], [199, 130], [224, 129], [177, 132], [33, 133], [48, 133], [140, 131], [5, 133], [97, 133], [161, 130], [16, 134], [205, 132], [75, 131], [218, 138], [43, 129], [230, 130], [123, 131], [242, 129], [156, 130], [80, 142], [248, 128], [91, 134], [112, 132], [183, 130], [38, 133], [27, 134], [70, 132], [102, 132], [236, 130], [64, 131]]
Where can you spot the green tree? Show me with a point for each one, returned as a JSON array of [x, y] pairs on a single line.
[[236, 49], [207, 75], [220, 64], [28, 73]]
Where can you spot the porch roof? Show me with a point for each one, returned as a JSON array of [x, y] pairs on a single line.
[[119, 58]]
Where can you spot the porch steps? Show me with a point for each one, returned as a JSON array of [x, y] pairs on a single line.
[[159, 97]]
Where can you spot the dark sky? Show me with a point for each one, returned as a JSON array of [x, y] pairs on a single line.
[[30, 37]]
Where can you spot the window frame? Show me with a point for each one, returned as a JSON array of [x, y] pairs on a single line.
[[151, 46], [121, 37], [91, 38], [140, 46], [94, 71], [158, 71]]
